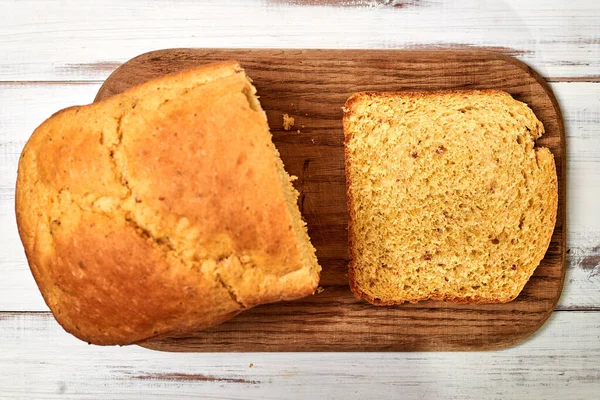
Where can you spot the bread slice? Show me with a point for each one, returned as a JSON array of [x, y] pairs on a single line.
[[447, 195], [162, 210]]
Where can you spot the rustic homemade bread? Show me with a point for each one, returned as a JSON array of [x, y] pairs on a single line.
[[161, 210], [448, 197]]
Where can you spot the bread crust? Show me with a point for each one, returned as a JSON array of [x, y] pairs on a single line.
[[159, 211], [551, 204]]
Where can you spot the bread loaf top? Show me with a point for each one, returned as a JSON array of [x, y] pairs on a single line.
[[448, 197], [161, 210]]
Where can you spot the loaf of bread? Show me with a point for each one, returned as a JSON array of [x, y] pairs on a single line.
[[162, 210], [448, 197]]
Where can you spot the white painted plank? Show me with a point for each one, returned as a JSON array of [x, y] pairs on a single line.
[[24, 106], [85, 40], [580, 104], [22, 109], [39, 360]]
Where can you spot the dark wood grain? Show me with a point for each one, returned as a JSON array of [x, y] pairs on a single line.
[[312, 86]]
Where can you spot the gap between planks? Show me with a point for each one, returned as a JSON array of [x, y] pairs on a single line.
[[9, 314], [560, 79]]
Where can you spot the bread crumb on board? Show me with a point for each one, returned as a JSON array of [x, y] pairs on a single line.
[[320, 289], [251, 365], [288, 122]]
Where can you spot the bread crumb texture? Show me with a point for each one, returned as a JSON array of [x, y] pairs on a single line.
[[288, 122], [161, 210], [448, 197]]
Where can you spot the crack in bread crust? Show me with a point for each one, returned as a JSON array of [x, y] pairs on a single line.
[[230, 290]]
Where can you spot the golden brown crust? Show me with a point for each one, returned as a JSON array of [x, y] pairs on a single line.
[[551, 202], [159, 211], [451, 299], [350, 203], [467, 92]]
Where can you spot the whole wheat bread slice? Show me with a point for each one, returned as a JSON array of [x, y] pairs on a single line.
[[448, 197]]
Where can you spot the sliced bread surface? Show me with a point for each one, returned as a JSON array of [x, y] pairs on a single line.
[[448, 197]]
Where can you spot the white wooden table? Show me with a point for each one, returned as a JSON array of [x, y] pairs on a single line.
[[56, 53]]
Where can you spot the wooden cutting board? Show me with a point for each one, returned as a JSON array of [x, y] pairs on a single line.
[[312, 86]]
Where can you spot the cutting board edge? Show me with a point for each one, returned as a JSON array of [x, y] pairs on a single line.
[[515, 340]]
